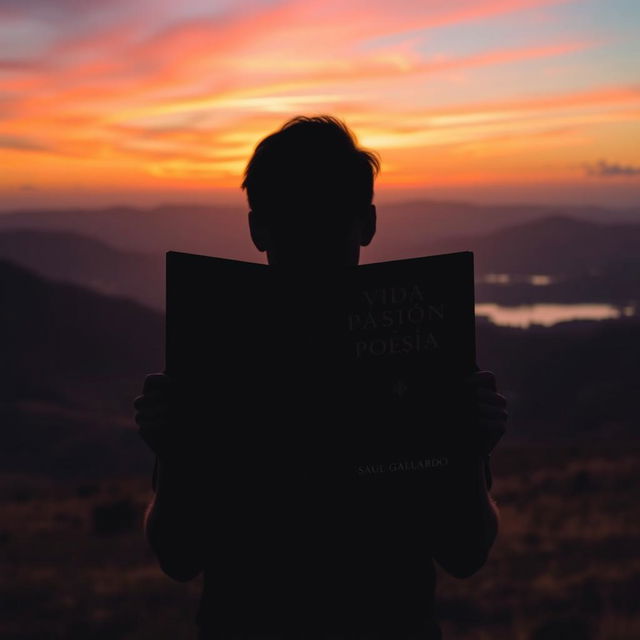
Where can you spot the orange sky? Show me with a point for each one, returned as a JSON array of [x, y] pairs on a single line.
[[482, 99]]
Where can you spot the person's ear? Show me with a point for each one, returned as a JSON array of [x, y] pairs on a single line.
[[259, 232], [368, 225]]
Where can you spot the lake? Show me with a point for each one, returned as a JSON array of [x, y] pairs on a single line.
[[549, 314]]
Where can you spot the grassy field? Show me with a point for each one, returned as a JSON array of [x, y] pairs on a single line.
[[566, 564]]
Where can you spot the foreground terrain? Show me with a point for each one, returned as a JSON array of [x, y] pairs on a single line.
[[566, 563]]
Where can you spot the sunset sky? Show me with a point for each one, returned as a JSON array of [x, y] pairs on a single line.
[[150, 101]]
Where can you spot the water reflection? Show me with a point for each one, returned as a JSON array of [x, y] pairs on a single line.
[[536, 279], [549, 314]]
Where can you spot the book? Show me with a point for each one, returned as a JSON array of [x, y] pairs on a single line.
[[326, 403], [391, 336]]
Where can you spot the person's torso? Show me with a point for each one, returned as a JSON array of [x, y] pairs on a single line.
[[296, 543]]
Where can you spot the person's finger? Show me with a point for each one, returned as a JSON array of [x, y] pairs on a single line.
[[492, 411], [142, 401], [155, 422], [490, 397], [153, 413], [495, 429], [483, 379], [152, 439], [148, 430], [155, 381], [492, 424], [151, 399]]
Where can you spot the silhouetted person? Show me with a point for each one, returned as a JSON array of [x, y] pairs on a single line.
[[310, 191]]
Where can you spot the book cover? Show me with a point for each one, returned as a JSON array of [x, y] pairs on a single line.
[[325, 404], [368, 358]]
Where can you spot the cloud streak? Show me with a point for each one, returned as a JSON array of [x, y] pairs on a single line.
[[180, 94], [604, 169], [20, 144]]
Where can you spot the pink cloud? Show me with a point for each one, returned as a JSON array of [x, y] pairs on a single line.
[[150, 89]]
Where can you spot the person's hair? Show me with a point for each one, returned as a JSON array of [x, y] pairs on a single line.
[[310, 162]]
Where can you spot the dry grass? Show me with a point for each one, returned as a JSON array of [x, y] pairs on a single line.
[[566, 563]]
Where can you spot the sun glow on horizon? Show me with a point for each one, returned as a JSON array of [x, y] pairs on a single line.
[[153, 96]]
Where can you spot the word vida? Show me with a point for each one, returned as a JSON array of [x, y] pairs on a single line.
[[397, 309], [404, 465]]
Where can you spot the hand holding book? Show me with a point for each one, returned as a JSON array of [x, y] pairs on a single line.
[[489, 409], [155, 411]]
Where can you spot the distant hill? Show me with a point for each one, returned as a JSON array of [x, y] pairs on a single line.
[[73, 360], [72, 363], [404, 229], [552, 245], [65, 344], [71, 257], [220, 231], [413, 228], [594, 262]]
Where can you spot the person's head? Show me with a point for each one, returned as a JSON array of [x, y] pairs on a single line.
[[310, 193]]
